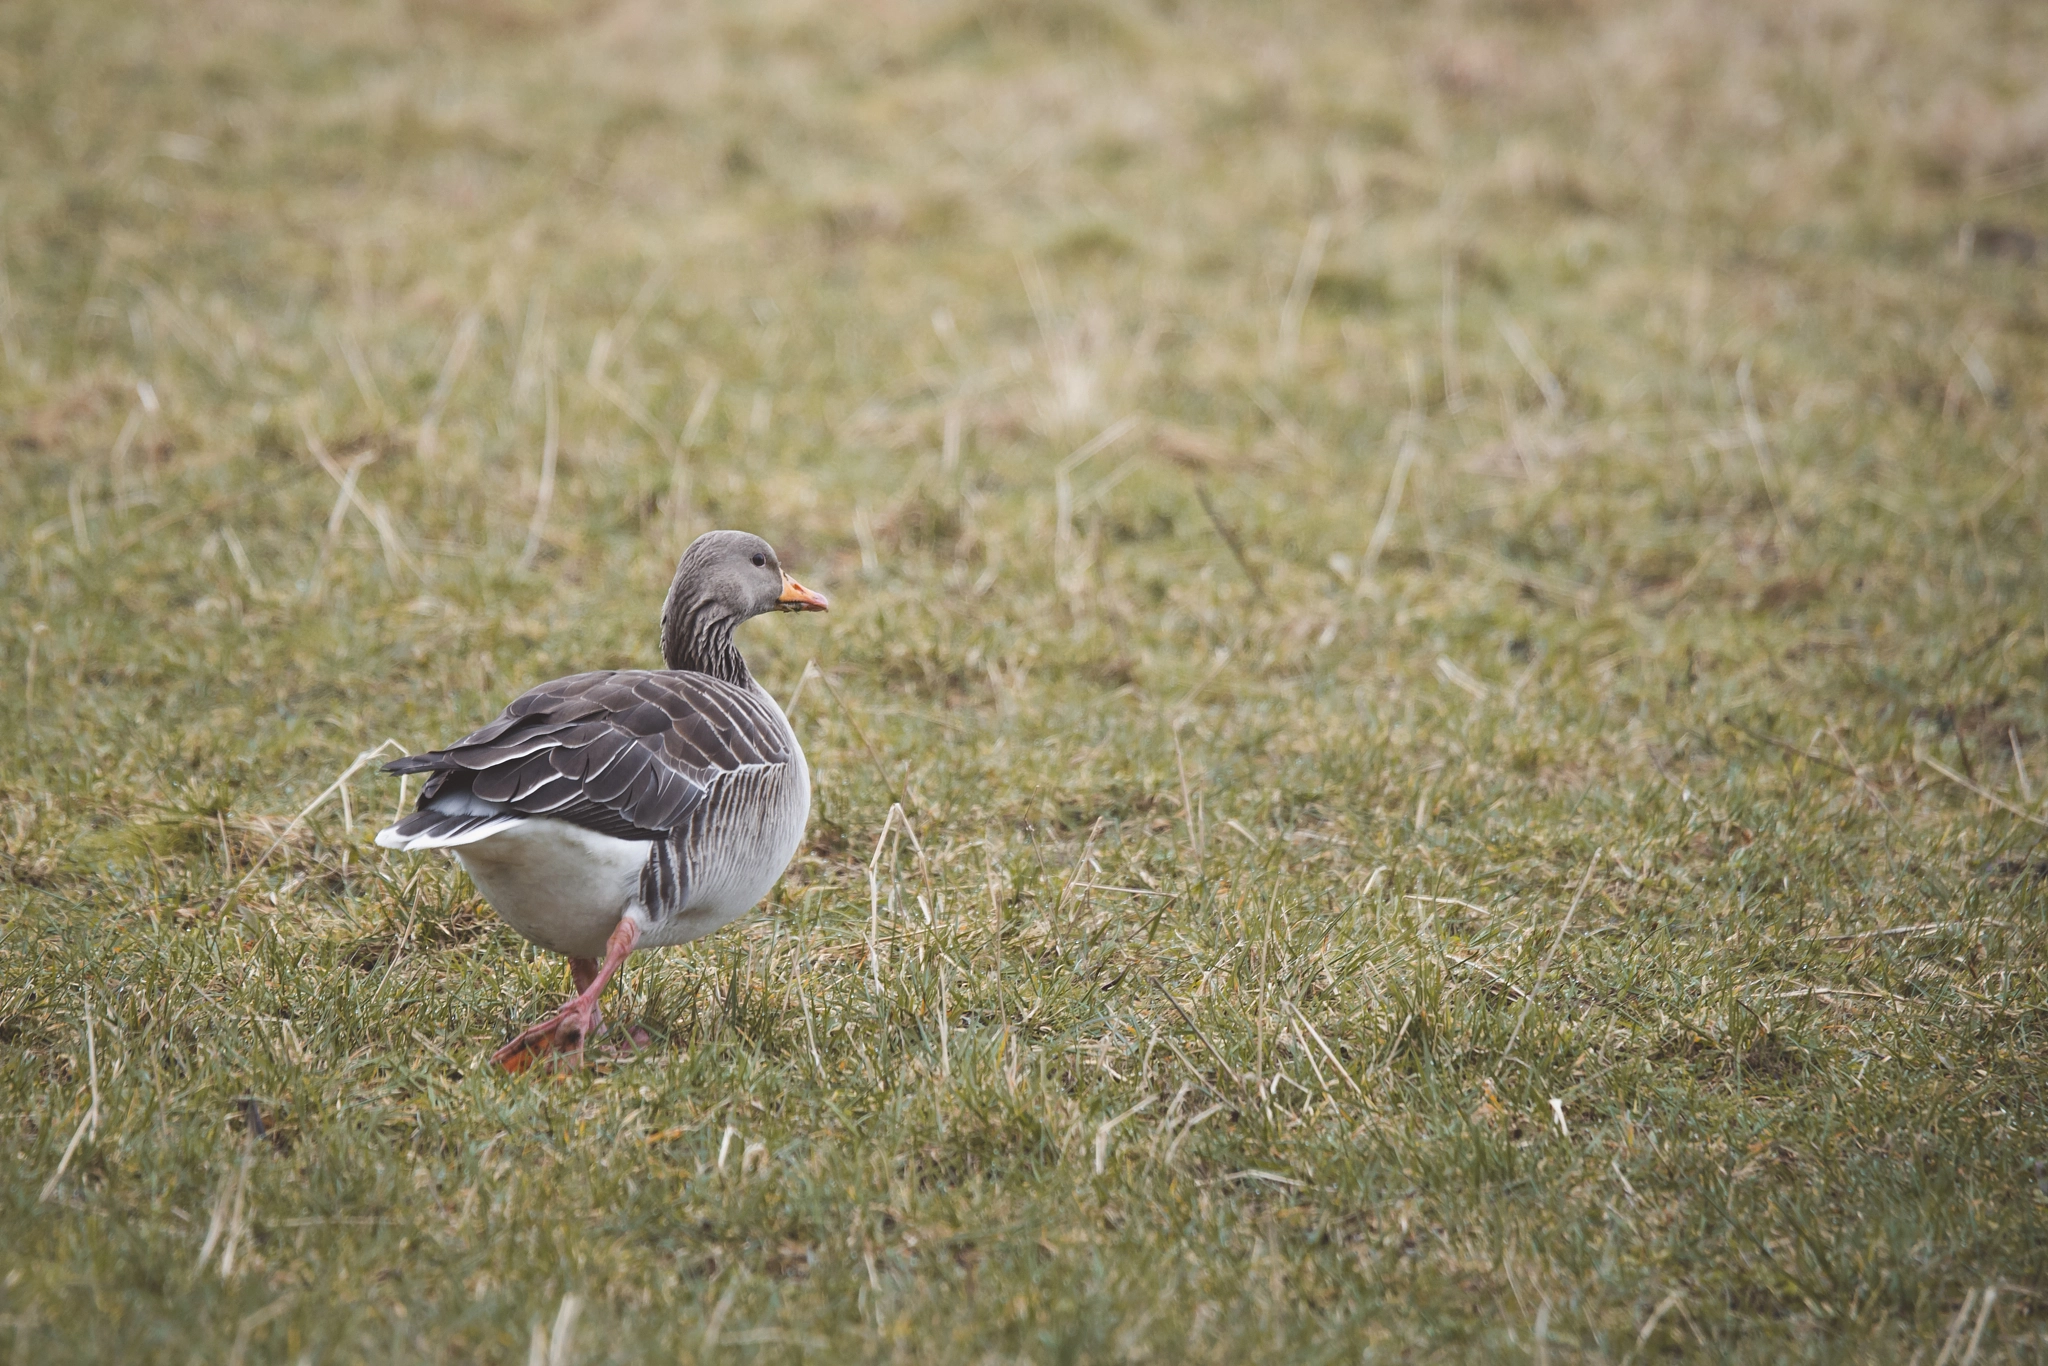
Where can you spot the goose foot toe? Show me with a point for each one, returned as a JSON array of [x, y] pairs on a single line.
[[567, 1030], [561, 1035]]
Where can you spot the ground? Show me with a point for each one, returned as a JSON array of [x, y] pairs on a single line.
[[1429, 744]]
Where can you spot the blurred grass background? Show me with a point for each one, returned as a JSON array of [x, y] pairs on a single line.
[[1451, 593]]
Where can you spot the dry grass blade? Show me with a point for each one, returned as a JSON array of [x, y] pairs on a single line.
[[882, 775], [1753, 428], [1063, 496], [1976, 790], [693, 426], [1522, 1016], [427, 442], [1390, 508], [1955, 1329], [562, 1335], [359, 371], [1074, 875], [355, 766], [537, 525], [1313, 244], [396, 557], [1328, 1052], [89, 1122], [1518, 342], [1235, 1076], [796, 693], [639, 416], [1910, 931], [1105, 1130], [1461, 678], [1230, 539], [1181, 1135], [245, 1331]]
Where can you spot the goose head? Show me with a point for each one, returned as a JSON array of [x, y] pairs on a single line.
[[723, 579]]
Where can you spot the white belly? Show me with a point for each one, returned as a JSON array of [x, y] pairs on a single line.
[[566, 888], [561, 886]]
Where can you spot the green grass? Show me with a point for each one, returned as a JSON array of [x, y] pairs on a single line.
[[1559, 646]]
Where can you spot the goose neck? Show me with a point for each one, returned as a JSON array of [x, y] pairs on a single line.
[[699, 640]]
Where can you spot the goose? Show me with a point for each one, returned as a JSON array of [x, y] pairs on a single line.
[[629, 809]]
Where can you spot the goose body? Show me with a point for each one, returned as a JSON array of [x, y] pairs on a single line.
[[629, 808], [667, 796]]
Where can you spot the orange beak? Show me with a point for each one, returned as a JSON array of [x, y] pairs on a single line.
[[797, 598]]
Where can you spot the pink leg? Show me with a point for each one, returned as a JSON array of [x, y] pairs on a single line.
[[583, 971], [567, 1029]]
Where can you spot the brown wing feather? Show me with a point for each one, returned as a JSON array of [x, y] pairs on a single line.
[[625, 752]]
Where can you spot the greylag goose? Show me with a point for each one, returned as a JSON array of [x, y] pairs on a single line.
[[631, 808]]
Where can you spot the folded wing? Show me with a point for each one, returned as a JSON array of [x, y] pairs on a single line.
[[628, 753]]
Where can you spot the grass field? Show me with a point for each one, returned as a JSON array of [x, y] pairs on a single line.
[[1450, 595]]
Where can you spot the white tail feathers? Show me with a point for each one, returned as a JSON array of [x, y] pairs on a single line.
[[443, 831]]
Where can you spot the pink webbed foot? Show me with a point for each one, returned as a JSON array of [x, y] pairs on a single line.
[[560, 1034], [565, 1032]]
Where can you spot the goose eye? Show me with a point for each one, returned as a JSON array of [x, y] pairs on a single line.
[[760, 559]]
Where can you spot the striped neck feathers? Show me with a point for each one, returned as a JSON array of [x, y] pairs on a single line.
[[698, 639]]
